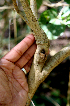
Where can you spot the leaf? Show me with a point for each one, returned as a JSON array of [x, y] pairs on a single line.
[[68, 23], [39, 2], [47, 15], [68, 18], [53, 31], [56, 30], [67, 8], [56, 93], [66, 12], [68, 1], [65, 15], [56, 21]]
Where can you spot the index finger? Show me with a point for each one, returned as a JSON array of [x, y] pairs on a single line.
[[20, 48]]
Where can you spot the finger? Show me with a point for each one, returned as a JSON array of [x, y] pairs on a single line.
[[20, 77], [20, 48], [28, 65], [26, 56]]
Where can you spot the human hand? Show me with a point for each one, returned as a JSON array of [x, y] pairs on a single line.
[[13, 82]]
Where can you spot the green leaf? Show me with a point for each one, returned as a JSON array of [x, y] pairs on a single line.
[[68, 1], [66, 12], [47, 15], [68, 23], [56, 21], [68, 18], [53, 31], [39, 2], [55, 93], [67, 8], [65, 15]]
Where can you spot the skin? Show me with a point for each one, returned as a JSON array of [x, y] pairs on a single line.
[[13, 81]]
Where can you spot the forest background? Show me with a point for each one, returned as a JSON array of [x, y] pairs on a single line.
[[54, 19]]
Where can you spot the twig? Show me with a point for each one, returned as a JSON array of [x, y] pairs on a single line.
[[15, 27], [6, 7], [15, 24], [52, 101], [9, 33], [55, 4], [21, 13]]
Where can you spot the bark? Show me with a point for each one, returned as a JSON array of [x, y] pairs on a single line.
[[40, 67], [55, 4], [38, 77], [33, 7]]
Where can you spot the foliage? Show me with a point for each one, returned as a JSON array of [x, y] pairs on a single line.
[[39, 2], [54, 24], [47, 15], [66, 16], [68, 1]]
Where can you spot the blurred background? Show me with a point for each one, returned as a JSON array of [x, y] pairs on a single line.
[[54, 19]]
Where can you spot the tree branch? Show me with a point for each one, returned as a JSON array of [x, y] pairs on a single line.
[[33, 6], [6, 7], [22, 14], [40, 36], [39, 71], [56, 60], [55, 4], [35, 81]]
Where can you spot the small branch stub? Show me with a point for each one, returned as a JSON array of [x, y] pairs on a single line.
[[42, 54]]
